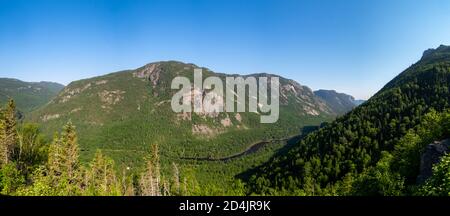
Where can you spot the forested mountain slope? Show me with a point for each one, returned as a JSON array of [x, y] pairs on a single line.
[[124, 113], [27, 95], [333, 158]]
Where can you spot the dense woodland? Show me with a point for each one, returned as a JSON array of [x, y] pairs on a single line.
[[32, 166], [142, 116], [28, 96], [375, 149]]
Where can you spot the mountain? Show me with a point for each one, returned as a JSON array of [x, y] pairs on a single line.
[[123, 113], [358, 102], [28, 95], [372, 150], [340, 103]]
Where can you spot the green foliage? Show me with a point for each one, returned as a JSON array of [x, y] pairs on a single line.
[[63, 167], [393, 175], [373, 150], [32, 148], [439, 183], [125, 130], [42, 185], [10, 178], [29, 96], [63, 175], [379, 180], [395, 120], [8, 133], [101, 178]]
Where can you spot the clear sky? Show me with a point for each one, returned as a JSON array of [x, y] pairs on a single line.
[[350, 46]]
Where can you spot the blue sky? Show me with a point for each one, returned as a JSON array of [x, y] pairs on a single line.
[[350, 46]]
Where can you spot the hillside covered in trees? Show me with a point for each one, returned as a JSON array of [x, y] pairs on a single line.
[[376, 148], [32, 166], [28, 96], [125, 112]]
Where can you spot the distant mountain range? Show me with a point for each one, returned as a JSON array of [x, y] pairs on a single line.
[[138, 102], [341, 103], [28, 95], [123, 113], [359, 102], [322, 144]]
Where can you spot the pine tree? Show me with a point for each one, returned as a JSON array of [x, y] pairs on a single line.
[[3, 149], [185, 186], [55, 158], [150, 179], [127, 185], [147, 182], [166, 189], [8, 133], [101, 178], [175, 179], [70, 146], [155, 159], [64, 169]]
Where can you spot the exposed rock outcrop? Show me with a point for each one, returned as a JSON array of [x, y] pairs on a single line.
[[150, 72], [432, 155], [340, 103]]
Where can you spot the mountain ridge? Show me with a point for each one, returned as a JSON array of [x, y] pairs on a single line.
[[341, 103], [136, 98], [348, 155], [28, 96]]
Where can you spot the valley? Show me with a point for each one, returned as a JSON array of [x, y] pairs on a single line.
[[29, 96], [322, 144], [374, 149], [124, 113]]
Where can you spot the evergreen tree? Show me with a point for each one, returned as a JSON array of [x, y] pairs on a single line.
[[101, 178], [8, 133], [127, 183], [63, 165], [69, 144], [150, 179], [3, 148], [175, 179]]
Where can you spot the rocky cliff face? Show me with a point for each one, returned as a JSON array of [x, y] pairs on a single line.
[[340, 103], [432, 155], [122, 112]]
